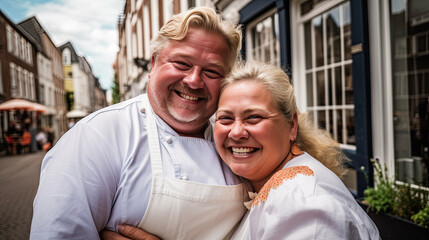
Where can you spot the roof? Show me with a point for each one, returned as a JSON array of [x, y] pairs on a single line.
[[74, 56], [35, 30], [22, 31]]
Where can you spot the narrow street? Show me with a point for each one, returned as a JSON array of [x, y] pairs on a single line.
[[19, 178]]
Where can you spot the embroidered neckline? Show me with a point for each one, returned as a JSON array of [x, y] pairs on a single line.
[[278, 178]]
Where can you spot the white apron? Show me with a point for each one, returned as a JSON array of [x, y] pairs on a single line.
[[179, 209]]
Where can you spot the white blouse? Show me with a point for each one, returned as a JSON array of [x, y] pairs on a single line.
[[305, 200]]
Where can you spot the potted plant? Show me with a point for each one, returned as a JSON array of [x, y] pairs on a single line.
[[400, 211]]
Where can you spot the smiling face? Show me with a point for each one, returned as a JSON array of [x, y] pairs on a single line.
[[184, 82], [251, 134]]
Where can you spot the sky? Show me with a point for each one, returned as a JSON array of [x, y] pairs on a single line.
[[90, 25]]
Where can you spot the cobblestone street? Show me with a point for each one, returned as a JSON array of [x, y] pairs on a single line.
[[19, 178]]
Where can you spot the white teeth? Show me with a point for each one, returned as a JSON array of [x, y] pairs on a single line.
[[242, 151], [188, 97]]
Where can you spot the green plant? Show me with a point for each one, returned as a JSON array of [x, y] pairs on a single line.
[[422, 217], [401, 200]]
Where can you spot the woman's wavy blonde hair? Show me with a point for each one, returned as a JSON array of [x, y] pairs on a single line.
[[315, 141], [204, 18]]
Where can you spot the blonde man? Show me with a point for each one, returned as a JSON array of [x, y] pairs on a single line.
[[150, 161]]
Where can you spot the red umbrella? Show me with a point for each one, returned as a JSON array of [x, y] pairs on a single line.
[[22, 104]]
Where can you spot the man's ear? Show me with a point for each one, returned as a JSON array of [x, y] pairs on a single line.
[[152, 60]]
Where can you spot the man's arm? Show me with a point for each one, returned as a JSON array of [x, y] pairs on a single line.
[[77, 187]]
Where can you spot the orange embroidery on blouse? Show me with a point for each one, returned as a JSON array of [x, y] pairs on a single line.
[[278, 178]]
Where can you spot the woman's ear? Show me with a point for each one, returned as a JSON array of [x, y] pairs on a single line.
[[293, 132]]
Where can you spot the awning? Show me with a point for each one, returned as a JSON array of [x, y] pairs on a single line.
[[22, 104], [76, 114]]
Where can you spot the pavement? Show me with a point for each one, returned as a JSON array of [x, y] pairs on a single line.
[[19, 179]]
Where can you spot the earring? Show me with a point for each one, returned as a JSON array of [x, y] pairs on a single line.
[[295, 150]]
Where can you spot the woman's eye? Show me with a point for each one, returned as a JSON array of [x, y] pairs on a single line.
[[224, 120], [253, 118]]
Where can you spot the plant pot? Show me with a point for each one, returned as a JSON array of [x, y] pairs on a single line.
[[393, 227]]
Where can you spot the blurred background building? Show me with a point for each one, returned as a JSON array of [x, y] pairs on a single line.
[[37, 85]]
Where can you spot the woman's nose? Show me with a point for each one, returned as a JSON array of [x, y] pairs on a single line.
[[193, 79], [238, 131]]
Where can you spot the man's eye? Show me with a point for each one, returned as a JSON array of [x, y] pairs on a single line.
[[212, 74], [182, 65]]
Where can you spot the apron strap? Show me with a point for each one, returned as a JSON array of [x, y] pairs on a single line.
[[152, 131]]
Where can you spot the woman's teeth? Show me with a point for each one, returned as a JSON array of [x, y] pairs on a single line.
[[242, 151]]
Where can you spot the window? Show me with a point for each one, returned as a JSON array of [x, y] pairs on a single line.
[[16, 44], [25, 84], [19, 84], [23, 49], [263, 38], [328, 72], [29, 54], [168, 10], [9, 33], [42, 94], [410, 87], [32, 87], [66, 56], [13, 86]]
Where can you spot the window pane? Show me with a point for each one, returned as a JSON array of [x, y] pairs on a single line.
[[338, 86], [309, 89], [350, 123], [320, 84], [308, 51], [340, 125], [318, 40], [349, 84], [410, 72], [347, 31], [333, 31], [321, 119]]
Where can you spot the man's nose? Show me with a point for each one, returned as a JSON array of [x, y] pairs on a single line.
[[238, 131], [193, 79]]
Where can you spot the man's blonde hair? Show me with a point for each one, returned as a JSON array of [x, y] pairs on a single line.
[[203, 18]]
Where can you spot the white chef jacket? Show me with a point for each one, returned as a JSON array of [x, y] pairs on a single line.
[[98, 175], [313, 206]]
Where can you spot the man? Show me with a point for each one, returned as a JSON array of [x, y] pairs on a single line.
[[150, 161]]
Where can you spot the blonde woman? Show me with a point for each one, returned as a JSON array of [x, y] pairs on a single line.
[[293, 167]]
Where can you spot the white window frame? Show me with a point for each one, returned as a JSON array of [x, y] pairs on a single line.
[[298, 68], [249, 37]]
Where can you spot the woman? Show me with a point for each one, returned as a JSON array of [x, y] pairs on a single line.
[[260, 135]]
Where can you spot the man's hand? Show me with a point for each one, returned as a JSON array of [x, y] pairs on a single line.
[[127, 232]]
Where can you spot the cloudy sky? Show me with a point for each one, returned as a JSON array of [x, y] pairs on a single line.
[[90, 25]]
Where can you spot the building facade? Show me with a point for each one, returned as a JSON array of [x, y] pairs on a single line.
[[52, 87], [18, 70], [84, 93]]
